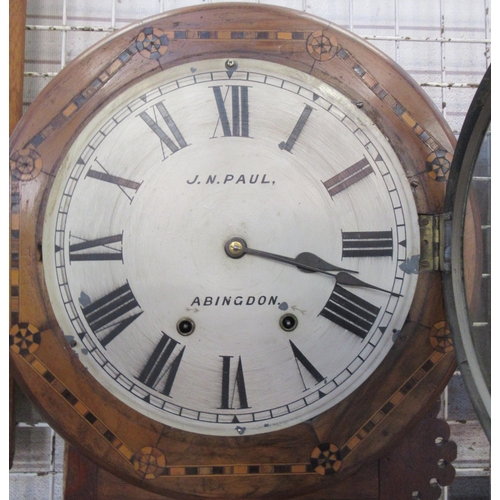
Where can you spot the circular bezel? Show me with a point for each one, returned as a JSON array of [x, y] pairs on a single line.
[[461, 297]]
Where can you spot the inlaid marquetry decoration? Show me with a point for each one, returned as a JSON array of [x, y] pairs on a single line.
[[440, 337], [439, 161], [149, 462], [152, 43], [439, 164], [25, 164], [24, 339], [326, 459], [322, 45], [214, 233], [188, 472]]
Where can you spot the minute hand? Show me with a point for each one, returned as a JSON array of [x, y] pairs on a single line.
[[348, 280]]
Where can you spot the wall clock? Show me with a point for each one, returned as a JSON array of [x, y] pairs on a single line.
[[225, 252]]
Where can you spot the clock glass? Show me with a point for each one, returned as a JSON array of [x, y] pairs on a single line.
[[232, 245]]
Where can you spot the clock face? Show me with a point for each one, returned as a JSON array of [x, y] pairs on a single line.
[[228, 243]]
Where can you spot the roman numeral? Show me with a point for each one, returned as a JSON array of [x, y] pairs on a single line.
[[227, 399], [288, 145], [350, 311], [109, 313], [178, 141], [158, 368], [299, 357], [348, 177], [111, 249], [239, 111], [367, 244], [122, 183]]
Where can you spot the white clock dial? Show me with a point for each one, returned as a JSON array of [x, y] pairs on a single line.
[[203, 160]]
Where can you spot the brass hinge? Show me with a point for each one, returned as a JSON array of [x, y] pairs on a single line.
[[434, 242]]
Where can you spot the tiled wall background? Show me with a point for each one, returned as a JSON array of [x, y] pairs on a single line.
[[443, 44]]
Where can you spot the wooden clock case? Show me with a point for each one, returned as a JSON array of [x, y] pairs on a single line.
[[308, 457]]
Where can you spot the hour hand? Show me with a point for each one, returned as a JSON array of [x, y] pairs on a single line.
[[305, 261]]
